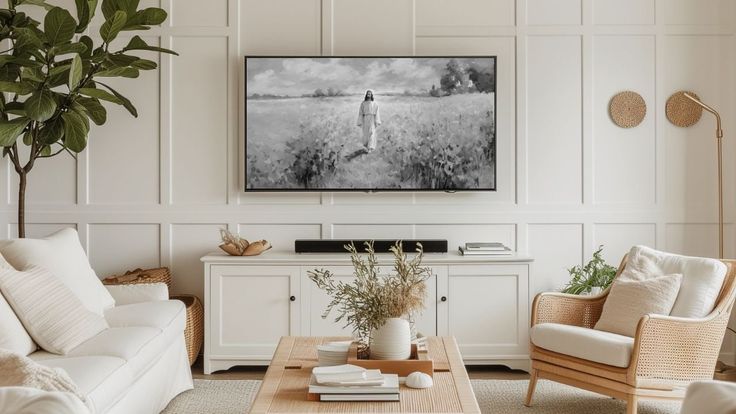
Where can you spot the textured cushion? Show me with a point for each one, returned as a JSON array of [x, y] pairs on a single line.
[[101, 379], [56, 319], [13, 336], [21, 371], [589, 344], [702, 278], [62, 254], [143, 292], [710, 397], [25, 400], [629, 300]]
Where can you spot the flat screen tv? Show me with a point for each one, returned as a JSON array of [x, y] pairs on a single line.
[[370, 123]]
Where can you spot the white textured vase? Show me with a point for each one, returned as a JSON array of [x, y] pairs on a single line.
[[392, 340]]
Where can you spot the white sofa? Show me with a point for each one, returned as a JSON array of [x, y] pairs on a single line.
[[137, 365]]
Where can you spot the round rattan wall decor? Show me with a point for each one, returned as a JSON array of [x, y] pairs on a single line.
[[681, 111], [627, 109]]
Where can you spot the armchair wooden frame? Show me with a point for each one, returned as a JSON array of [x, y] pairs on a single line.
[[669, 352]]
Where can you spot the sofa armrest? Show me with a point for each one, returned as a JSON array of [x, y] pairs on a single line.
[[566, 309], [136, 293], [26, 400]]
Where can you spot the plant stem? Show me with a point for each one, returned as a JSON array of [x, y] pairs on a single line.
[[21, 204]]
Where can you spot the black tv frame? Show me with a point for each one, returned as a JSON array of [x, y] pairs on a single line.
[[364, 190]]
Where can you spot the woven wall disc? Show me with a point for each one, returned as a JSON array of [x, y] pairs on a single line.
[[681, 111], [627, 109]]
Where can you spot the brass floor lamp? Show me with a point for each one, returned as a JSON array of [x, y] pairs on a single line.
[[719, 141], [681, 101], [684, 109]]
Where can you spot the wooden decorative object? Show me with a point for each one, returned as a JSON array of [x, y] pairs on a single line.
[[418, 361], [235, 245], [627, 109], [682, 111]]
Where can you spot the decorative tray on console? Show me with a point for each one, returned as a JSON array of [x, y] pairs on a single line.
[[418, 361]]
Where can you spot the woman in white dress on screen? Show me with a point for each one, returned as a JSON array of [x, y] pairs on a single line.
[[369, 119]]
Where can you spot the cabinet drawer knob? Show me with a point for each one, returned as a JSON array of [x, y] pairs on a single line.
[[444, 298], [292, 298]]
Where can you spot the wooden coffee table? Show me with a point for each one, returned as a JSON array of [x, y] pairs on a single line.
[[284, 387]]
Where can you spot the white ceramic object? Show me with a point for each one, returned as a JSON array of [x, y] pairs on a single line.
[[418, 380], [392, 340]]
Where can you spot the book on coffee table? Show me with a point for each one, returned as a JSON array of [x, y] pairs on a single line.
[[387, 391]]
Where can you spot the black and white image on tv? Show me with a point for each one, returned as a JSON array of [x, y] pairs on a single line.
[[370, 123]]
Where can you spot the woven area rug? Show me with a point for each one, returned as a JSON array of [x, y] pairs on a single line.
[[494, 396]]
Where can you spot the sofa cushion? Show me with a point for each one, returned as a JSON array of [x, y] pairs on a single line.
[[52, 314], [702, 278], [629, 300], [589, 344], [159, 314], [136, 293], [62, 254], [101, 379], [710, 397], [14, 336], [26, 400]]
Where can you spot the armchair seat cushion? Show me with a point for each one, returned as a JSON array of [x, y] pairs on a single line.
[[589, 344]]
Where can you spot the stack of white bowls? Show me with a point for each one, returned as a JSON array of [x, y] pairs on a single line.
[[333, 353]]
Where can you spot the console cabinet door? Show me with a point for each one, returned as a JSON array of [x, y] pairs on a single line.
[[485, 307], [316, 301], [252, 308]]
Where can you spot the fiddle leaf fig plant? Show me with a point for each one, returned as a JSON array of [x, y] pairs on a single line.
[[54, 76]]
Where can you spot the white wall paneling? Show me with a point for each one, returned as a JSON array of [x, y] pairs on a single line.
[[157, 189]]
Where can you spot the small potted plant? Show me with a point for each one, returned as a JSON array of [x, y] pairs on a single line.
[[591, 279], [378, 307]]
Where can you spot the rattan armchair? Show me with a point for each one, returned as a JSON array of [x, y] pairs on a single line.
[[668, 354]]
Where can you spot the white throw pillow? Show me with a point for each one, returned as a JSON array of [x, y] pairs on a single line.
[[13, 335], [702, 278], [63, 255], [56, 319], [629, 300]]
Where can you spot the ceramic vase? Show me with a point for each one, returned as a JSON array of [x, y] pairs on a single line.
[[392, 340]]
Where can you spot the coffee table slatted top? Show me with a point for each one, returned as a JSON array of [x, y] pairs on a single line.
[[284, 387]]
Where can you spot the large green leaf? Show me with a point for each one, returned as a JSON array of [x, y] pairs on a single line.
[[96, 112], [151, 16], [109, 7], [51, 132], [100, 94], [32, 74], [75, 131], [144, 64], [40, 3], [112, 26], [136, 43], [124, 101], [59, 26], [20, 88], [67, 48], [83, 15], [75, 72], [118, 72], [10, 130], [87, 41], [41, 105]]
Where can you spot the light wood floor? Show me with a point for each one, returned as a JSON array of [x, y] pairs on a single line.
[[256, 373]]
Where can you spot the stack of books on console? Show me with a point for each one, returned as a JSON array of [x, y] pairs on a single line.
[[485, 249], [352, 383]]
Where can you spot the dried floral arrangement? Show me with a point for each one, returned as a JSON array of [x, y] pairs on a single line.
[[366, 302], [235, 245]]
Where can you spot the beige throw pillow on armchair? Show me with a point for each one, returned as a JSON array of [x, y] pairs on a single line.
[[629, 300]]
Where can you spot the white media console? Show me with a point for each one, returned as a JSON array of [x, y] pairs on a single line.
[[250, 302]]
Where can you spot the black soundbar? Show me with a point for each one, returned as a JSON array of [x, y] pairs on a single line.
[[380, 245]]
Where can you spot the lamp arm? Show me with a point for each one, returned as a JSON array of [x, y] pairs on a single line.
[[719, 129]]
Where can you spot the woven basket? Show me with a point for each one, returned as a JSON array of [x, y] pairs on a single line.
[[194, 332], [139, 276]]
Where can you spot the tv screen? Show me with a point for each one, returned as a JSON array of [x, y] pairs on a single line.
[[370, 123]]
